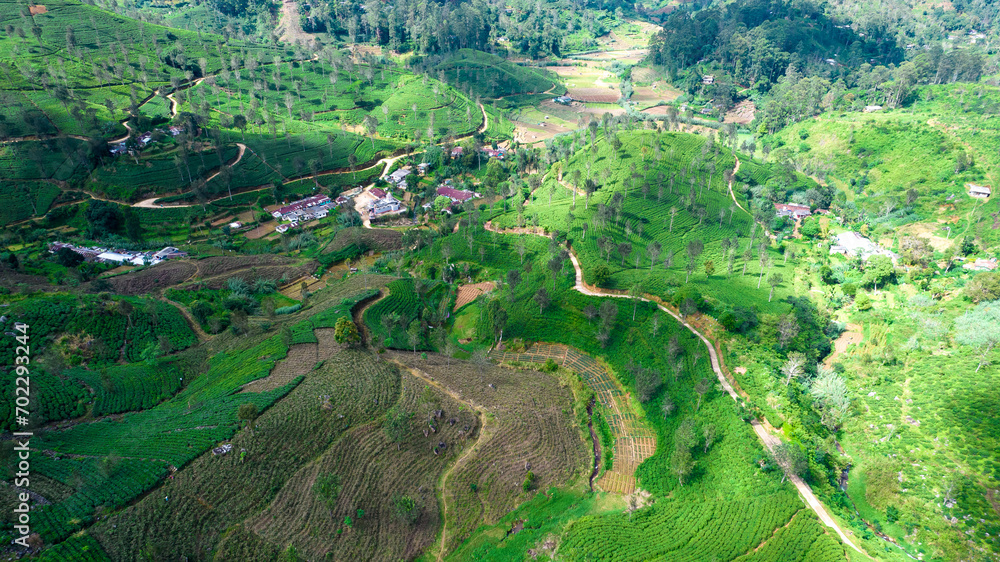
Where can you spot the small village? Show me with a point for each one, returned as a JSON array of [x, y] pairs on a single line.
[[122, 257]]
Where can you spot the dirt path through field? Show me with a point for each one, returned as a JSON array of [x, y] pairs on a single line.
[[151, 202], [483, 428], [202, 336], [386, 163], [731, 180], [358, 315], [769, 440]]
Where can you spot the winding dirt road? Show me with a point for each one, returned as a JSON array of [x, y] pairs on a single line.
[[770, 441]]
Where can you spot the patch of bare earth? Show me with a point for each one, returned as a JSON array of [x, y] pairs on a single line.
[[851, 335], [38, 9], [743, 113], [597, 95], [469, 293], [300, 360]]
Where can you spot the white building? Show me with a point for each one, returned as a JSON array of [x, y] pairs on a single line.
[[979, 191], [384, 205], [854, 244]]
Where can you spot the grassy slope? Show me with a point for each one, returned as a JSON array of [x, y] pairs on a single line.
[[490, 76], [915, 147], [725, 472], [654, 216]]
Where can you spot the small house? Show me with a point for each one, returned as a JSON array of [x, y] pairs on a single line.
[[981, 264], [979, 191], [457, 152], [792, 210], [456, 195], [708, 79], [853, 244], [423, 167], [563, 100], [281, 228], [384, 205], [872, 108], [399, 176]]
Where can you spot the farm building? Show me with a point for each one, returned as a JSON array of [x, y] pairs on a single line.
[[792, 210], [456, 195], [981, 264], [377, 192], [853, 244], [169, 253], [564, 100], [341, 200], [399, 176], [457, 152], [979, 191], [281, 228], [872, 108], [385, 205], [423, 167], [494, 153], [300, 205], [708, 79]]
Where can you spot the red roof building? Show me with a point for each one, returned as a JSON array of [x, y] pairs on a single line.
[[792, 210], [456, 195]]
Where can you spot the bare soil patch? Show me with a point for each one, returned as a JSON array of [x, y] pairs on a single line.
[[925, 231], [261, 231], [469, 293], [651, 94], [300, 360], [38, 9], [597, 95], [159, 276], [851, 335], [743, 113]]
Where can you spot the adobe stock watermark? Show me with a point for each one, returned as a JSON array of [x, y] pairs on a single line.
[[22, 439]]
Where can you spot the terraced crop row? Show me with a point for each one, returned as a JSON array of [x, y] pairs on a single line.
[[530, 428], [634, 442]]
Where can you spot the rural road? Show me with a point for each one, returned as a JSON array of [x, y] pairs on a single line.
[[769, 440], [151, 202]]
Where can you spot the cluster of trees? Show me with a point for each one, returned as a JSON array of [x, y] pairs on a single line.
[[531, 28], [754, 41], [803, 58]]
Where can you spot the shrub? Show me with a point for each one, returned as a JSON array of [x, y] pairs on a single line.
[[863, 302], [288, 309]]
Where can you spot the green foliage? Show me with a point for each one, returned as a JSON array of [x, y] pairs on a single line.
[[984, 286], [401, 317], [490, 76], [346, 332], [288, 309], [327, 488]]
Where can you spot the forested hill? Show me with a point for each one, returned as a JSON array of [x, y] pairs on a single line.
[[529, 27], [754, 41]]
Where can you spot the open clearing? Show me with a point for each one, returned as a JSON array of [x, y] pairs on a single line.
[[634, 442], [469, 293]]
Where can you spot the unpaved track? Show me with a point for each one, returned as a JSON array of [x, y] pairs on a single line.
[[483, 421], [151, 202], [202, 336], [769, 440]]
